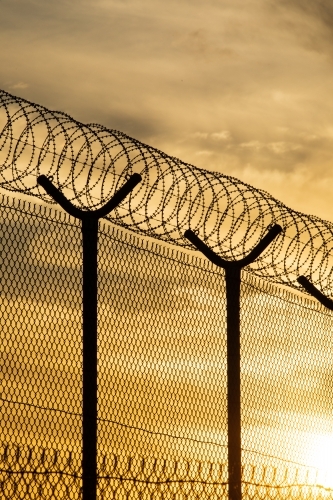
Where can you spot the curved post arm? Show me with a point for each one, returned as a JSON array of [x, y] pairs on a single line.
[[219, 261], [312, 290], [117, 198]]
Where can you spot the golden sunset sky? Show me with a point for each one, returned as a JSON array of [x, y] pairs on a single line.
[[242, 87]]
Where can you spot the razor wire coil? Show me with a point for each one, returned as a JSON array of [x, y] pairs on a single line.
[[88, 163]]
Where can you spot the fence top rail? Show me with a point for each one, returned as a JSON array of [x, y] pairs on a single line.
[[88, 163]]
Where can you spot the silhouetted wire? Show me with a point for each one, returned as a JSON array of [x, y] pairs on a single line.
[[286, 486], [174, 226], [156, 433], [170, 481], [115, 174], [284, 460], [166, 481], [39, 473], [89, 162], [39, 407]]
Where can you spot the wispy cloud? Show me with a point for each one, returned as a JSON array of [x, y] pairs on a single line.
[[19, 85]]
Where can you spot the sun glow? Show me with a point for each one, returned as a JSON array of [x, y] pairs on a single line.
[[321, 456]]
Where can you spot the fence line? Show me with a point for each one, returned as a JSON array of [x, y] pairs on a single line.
[[162, 335], [45, 473], [90, 162], [165, 342]]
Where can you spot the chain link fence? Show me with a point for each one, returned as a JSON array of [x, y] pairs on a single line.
[[162, 370], [39, 473]]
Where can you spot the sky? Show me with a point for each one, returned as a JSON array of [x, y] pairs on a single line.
[[241, 87]]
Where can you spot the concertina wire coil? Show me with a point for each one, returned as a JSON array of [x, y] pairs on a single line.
[[89, 162]]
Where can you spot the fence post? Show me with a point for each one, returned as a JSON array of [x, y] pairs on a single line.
[[89, 322], [312, 290], [233, 282], [89, 368]]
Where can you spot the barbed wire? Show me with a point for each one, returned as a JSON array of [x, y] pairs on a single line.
[[23, 465], [159, 433], [88, 163]]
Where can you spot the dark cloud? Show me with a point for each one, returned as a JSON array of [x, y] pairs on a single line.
[[321, 10], [310, 21]]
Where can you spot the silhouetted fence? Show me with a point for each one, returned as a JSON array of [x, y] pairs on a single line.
[[38, 474], [89, 162], [162, 350], [165, 349]]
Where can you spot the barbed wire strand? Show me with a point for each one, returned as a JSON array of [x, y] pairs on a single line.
[[89, 162]]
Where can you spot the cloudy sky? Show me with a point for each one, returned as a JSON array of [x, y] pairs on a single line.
[[243, 87]]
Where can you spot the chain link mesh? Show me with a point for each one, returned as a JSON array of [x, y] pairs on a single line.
[[287, 383], [40, 317], [162, 425], [163, 384]]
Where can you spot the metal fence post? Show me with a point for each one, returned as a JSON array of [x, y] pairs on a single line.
[[312, 290], [90, 302], [233, 282], [89, 369]]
